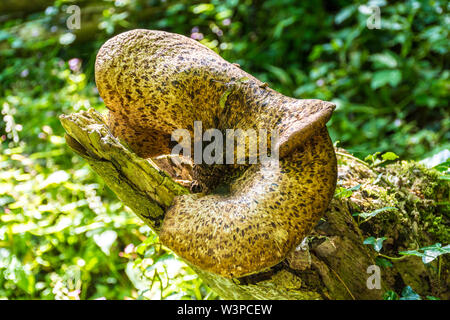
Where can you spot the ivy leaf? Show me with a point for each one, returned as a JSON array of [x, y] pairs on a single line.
[[377, 243], [382, 262], [367, 215], [409, 294], [429, 253], [384, 77]]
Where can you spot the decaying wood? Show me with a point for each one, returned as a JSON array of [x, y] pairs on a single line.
[[332, 262]]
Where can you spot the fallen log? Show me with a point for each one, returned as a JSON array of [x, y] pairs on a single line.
[[332, 262]]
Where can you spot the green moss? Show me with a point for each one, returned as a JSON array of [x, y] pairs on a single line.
[[430, 191]]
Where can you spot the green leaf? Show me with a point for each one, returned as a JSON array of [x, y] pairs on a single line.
[[384, 77], [357, 187], [429, 253], [140, 249], [342, 192], [384, 60], [280, 74], [227, 13], [278, 31], [4, 35], [409, 294], [372, 158], [390, 295], [377, 243], [204, 7], [440, 160], [382, 262], [6, 200], [67, 38], [444, 166], [372, 214], [389, 156], [344, 14]]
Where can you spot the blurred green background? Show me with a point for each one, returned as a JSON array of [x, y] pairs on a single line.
[[63, 233]]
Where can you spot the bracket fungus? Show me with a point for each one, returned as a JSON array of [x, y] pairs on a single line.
[[155, 82]]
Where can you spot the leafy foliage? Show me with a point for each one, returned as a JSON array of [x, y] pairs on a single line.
[[342, 192], [374, 160], [429, 253], [409, 294], [377, 243], [369, 215]]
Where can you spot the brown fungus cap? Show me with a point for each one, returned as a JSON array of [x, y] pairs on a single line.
[[154, 82]]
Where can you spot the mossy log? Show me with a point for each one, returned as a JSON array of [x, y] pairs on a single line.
[[332, 262]]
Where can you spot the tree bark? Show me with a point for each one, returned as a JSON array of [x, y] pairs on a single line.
[[332, 262]]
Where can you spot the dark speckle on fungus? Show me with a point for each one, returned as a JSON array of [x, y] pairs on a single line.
[[266, 210]]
